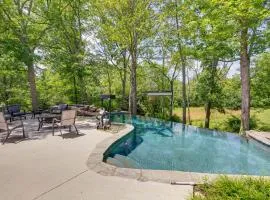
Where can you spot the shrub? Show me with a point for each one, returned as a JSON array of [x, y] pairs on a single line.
[[233, 124], [224, 188], [175, 118]]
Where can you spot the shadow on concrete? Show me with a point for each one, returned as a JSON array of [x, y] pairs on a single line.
[[71, 135]]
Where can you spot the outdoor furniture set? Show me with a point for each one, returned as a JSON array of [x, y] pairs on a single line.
[[58, 116]]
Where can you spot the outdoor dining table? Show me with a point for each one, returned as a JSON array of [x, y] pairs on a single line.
[[47, 118]]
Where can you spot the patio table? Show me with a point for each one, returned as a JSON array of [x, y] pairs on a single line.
[[47, 118]]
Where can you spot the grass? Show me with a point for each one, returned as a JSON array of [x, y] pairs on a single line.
[[218, 120], [224, 188]]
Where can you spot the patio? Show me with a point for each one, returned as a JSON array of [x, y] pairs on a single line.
[[51, 167]]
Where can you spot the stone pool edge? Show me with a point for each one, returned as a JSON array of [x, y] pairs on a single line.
[[96, 164], [262, 137]]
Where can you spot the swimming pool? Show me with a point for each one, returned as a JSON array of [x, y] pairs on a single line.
[[162, 145]]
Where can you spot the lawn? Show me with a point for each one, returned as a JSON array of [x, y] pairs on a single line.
[[218, 120]]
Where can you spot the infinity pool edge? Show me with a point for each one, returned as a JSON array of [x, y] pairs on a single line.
[[95, 163]]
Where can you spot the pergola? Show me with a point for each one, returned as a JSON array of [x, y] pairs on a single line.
[[158, 93]]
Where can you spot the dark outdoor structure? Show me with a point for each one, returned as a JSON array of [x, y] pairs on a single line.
[[158, 93], [162, 94]]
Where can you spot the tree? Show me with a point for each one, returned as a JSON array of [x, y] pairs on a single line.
[[183, 62], [25, 25], [128, 23], [247, 17], [209, 90], [211, 43], [65, 48], [174, 27], [113, 55]]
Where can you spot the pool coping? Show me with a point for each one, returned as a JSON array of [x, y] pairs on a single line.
[[262, 137], [95, 163]]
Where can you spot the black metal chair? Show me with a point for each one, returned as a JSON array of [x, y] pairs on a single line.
[[36, 112], [15, 111]]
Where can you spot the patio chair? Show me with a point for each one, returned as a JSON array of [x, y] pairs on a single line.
[[68, 118], [15, 111], [4, 110], [6, 127], [103, 119]]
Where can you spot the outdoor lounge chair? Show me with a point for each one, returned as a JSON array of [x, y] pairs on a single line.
[[59, 108], [89, 111], [15, 111], [6, 127], [68, 118]]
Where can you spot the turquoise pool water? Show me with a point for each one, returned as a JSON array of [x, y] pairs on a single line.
[[157, 144]]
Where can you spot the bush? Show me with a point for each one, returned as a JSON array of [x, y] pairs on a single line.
[[233, 124], [175, 118], [224, 188]]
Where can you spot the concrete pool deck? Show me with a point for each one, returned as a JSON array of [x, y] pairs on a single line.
[[51, 167], [262, 137]]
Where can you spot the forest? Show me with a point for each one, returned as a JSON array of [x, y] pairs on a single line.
[[212, 56]]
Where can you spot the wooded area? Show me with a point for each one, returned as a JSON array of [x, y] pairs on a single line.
[[69, 51]]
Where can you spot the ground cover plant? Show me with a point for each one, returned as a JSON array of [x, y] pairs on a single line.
[[225, 188]]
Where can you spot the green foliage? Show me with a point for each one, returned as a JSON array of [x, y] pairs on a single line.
[[233, 124], [155, 107], [52, 89], [80, 49], [13, 82], [261, 81], [225, 188], [232, 93], [175, 118], [209, 87]]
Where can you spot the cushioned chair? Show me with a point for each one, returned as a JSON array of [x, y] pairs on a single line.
[[4, 126], [68, 119]]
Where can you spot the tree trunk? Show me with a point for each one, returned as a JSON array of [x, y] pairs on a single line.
[[183, 63], [213, 70], [32, 85], [188, 99], [124, 80], [162, 81], [75, 89], [207, 114], [133, 84], [109, 81], [6, 93], [172, 99], [184, 95], [245, 81]]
